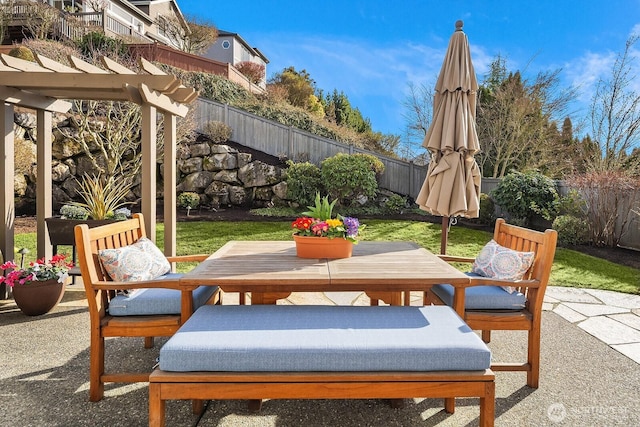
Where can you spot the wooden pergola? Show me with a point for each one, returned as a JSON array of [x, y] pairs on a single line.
[[48, 86]]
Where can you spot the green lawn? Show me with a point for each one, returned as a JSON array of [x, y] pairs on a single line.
[[570, 268]]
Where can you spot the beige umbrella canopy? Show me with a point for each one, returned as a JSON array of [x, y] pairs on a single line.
[[452, 186]]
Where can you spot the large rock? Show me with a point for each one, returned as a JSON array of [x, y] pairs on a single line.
[[25, 120], [200, 150], [219, 162], [238, 196], [196, 182], [85, 166], [191, 165], [243, 159], [280, 190], [60, 172], [227, 176], [259, 174], [20, 184], [218, 193], [222, 149]]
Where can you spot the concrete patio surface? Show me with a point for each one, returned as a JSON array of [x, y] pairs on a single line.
[[590, 373]]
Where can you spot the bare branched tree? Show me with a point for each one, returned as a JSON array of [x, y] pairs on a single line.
[[196, 38], [615, 115], [418, 112], [97, 5], [514, 119], [40, 19], [109, 134]]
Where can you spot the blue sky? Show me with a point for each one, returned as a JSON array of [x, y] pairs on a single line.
[[372, 49]]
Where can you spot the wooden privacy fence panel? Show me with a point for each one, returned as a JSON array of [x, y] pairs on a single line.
[[279, 140]]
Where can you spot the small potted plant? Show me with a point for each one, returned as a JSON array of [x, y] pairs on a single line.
[[188, 201], [319, 235], [38, 287], [102, 202]]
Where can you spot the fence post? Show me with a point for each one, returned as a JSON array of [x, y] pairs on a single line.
[[411, 179], [225, 114], [350, 149], [290, 142]]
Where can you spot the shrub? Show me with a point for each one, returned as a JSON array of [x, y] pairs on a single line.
[[254, 72], [217, 131], [487, 209], [55, 50], [610, 198], [22, 52], [95, 43], [395, 204], [571, 230], [188, 201], [525, 195], [304, 180], [348, 178]]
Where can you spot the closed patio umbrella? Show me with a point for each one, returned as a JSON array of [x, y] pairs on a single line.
[[452, 186]]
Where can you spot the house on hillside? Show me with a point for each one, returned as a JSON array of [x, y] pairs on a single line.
[[233, 49], [137, 21]]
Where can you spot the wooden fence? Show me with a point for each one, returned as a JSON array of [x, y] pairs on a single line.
[[295, 144]]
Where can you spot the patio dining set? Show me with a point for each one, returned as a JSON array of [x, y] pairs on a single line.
[[271, 351]]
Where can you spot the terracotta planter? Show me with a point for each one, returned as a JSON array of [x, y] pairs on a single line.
[[36, 298], [322, 247]]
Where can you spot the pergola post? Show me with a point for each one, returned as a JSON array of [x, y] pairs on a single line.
[[44, 182], [7, 208], [170, 201], [148, 167]]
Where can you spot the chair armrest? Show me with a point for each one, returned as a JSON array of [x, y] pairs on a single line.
[[119, 286], [488, 281], [451, 258], [188, 258]]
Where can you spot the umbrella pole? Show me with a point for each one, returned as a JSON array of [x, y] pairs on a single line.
[[444, 235]]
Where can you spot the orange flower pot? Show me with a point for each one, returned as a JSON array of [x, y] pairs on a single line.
[[322, 247]]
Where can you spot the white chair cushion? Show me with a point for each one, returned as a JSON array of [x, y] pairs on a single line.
[[498, 262], [137, 262]]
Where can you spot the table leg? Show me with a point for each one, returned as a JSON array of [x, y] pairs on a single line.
[[267, 297], [391, 298]]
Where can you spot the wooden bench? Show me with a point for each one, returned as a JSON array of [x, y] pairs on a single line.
[[322, 352]]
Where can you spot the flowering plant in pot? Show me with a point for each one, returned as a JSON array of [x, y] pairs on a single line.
[[318, 227], [38, 287]]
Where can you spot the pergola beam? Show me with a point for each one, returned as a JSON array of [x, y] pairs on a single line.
[[30, 100]]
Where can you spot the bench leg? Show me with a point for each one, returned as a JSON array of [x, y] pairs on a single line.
[[396, 403], [450, 405], [254, 405], [156, 406], [148, 342], [488, 405], [197, 406]]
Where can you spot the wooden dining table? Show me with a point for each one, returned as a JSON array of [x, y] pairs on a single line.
[[270, 270]]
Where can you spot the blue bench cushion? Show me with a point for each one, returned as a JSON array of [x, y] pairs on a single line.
[[151, 301], [483, 297], [278, 338]]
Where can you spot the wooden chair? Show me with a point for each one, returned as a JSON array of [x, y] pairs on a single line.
[[101, 290], [532, 285]]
